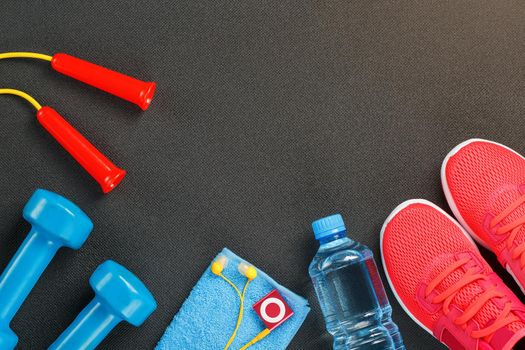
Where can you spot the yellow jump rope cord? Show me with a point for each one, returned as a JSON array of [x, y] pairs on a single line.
[[25, 55], [241, 308], [259, 337], [21, 94], [18, 92]]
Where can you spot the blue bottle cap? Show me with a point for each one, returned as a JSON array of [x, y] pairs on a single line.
[[328, 226]]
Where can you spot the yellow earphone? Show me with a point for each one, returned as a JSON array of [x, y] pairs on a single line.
[[219, 264], [247, 271]]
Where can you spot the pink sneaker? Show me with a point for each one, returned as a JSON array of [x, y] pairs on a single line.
[[444, 284], [484, 183]]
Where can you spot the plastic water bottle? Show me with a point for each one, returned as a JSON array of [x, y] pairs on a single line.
[[352, 297]]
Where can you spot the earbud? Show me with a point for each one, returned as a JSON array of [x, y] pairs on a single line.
[[219, 264], [248, 271]]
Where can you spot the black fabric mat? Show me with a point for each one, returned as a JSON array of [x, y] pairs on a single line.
[[268, 115]]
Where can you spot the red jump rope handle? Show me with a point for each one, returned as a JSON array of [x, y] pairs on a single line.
[[107, 174], [118, 84]]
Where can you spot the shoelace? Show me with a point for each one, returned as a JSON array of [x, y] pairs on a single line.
[[447, 296], [513, 227]]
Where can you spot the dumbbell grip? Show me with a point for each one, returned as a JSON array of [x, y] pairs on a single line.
[[88, 330], [23, 272]]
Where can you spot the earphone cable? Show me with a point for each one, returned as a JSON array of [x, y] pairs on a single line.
[[239, 317], [257, 338]]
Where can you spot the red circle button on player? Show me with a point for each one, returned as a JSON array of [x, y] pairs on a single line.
[[273, 310]]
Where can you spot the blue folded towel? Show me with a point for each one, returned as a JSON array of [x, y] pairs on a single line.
[[207, 318]]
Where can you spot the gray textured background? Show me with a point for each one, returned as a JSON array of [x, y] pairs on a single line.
[[268, 115]]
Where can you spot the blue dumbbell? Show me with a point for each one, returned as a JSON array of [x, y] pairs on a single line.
[[119, 296], [56, 222]]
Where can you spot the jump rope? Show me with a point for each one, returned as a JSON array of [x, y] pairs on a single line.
[[250, 273], [107, 174]]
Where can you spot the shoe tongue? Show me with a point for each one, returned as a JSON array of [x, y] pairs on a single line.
[[468, 295], [501, 200]]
